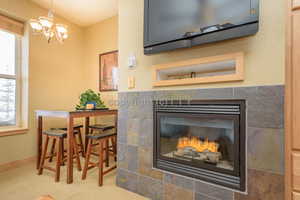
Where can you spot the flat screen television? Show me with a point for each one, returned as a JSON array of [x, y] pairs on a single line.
[[173, 24]]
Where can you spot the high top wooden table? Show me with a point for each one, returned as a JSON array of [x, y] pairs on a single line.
[[70, 116]]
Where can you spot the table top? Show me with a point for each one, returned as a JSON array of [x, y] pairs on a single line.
[[74, 113]]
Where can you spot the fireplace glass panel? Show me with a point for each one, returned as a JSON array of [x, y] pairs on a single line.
[[199, 141]]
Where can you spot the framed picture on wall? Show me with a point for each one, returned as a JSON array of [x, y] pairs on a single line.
[[108, 71]]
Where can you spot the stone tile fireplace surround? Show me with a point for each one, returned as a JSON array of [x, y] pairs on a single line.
[[265, 146]]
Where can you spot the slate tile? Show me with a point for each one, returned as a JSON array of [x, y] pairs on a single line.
[[145, 164], [146, 133], [180, 181], [266, 149], [215, 93], [213, 191], [271, 91], [172, 192], [171, 95], [199, 196], [122, 156], [263, 186], [266, 113], [150, 188], [127, 180], [249, 93], [133, 131], [122, 130], [132, 158], [264, 105]]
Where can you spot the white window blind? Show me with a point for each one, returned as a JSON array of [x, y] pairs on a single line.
[[9, 48]]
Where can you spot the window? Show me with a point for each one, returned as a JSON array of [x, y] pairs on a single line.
[[10, 69]]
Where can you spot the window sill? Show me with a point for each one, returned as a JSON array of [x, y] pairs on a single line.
[[13, 131]]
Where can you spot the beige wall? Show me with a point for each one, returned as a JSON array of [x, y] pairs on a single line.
[[55, 77], [99, 38], [264, 59]]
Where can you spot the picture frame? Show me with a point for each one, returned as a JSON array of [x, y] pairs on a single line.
[[108, 71]]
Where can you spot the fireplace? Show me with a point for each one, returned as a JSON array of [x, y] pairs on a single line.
[[201, 139]]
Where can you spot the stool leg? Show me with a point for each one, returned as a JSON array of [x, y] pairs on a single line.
[[62, 152], [52, 150], [43, 156], [58, 161], [87, 140], [101, 162], [80, 142], [76, 153], [107, 152], [87, 159], [114, 146]]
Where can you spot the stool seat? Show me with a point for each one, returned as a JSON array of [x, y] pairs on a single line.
[[63, 131], [101, 135], [102, 127], [56, 133], [74, 127]]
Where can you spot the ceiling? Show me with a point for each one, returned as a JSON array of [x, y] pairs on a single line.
[[82, 12]]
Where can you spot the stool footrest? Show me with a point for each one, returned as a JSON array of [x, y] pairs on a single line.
[[49, 168], [91, 167], [109, 170], [94, 154]]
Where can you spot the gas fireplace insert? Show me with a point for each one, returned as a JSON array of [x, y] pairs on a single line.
[[202, 139]]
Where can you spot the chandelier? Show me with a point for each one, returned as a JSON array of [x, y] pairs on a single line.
[[47, 27]]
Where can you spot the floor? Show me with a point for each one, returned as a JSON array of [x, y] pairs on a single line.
[[23, 183]]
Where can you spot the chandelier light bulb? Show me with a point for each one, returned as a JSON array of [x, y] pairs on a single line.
[[35, 25], [61, 28], [65, 36], [46, 22], [49, 35]]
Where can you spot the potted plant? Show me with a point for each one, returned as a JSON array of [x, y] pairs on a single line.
[[90, 100]]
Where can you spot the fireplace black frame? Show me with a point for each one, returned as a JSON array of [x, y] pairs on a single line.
[[228, 109]]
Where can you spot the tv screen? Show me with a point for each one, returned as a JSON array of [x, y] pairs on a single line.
[[174, 20]]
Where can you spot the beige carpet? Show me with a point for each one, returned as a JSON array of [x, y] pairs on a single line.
[[23, 183]]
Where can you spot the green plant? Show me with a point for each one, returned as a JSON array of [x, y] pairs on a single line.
[[90, 96]]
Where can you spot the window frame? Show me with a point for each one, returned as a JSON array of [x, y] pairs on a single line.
[[21, 125]]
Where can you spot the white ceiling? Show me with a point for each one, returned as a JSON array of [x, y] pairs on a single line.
[[82, 12]]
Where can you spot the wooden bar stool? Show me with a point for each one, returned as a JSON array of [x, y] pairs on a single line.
[[58, 136], [77, 132], [100, 128], [103, 154]]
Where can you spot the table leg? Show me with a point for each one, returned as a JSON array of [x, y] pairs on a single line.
[[39, 140], [70, 152], [87, 124]]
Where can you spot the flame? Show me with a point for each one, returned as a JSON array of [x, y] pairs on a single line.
[[197, 144]]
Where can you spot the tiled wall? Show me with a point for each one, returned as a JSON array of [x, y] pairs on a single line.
[[265, 140]]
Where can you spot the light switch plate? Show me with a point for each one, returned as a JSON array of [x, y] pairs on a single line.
[[132, 61], [131, 82]]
